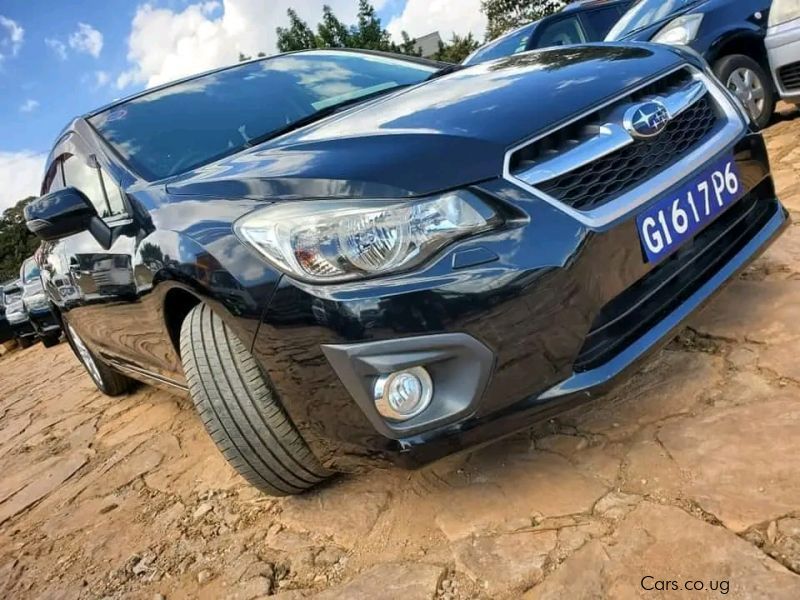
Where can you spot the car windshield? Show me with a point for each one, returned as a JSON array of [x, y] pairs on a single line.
[[644, 14], [189, 124], [512, 43], [30, 271]]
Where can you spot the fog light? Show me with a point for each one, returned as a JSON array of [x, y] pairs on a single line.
[[403, 395]]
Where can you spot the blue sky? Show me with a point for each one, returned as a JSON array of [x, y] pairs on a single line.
[[59, 59]]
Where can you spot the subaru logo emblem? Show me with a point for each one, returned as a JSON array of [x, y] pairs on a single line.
[[646, 120]]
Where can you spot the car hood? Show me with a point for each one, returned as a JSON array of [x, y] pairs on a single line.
[[444, 133]]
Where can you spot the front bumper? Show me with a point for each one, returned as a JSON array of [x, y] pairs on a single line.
[[6, 333], [783, 50], [563, 309], [23, 329], [44, 322]]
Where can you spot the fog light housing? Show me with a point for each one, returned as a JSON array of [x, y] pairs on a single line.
[[402, 395]]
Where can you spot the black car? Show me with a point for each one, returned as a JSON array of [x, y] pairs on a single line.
[[347, 257], [728, 33], [576, 23]]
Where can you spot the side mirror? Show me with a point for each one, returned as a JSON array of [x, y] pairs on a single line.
[[64, 213]]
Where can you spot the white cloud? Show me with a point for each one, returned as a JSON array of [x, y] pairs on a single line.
[[57, 46], [20, 176], [86, 39], [101, 78], [29, 105], [11, 37], [420, 17], [164, 44]]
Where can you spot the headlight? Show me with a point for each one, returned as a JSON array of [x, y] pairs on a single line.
[[680, 31], [36, 302], [783, 11], [329, 240]]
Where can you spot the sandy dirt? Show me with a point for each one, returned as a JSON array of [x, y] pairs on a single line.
[[689, 472]]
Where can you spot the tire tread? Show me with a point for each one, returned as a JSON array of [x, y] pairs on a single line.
[[240, 410]]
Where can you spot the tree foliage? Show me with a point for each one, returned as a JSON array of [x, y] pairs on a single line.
[[16, 242], [505, 15], [367, 33], [331, 32], [457, 49], [298, 36], [243, 57]]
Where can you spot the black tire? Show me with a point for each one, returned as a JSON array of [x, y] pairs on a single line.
[[24, 342], [727, 65], [51, 340], [107, 380], [241, 411]]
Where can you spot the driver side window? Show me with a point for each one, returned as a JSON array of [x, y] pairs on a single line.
[[564, 32], [98, 187]]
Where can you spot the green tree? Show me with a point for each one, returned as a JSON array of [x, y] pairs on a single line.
[[504, 15], [408, 46], [16, 242], [457, 49], [243, 57], [298, 36], [331, 32], [367, 33]]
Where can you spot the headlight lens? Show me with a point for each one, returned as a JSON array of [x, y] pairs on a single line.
[[329, 240], [783, 11], [680, 31]]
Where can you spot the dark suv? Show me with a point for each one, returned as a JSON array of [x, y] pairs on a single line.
[[576, 23], [728, 33], [345, 257]]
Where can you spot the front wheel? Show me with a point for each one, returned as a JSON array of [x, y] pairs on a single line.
[[241, 411], [750, 83], [24, 342]]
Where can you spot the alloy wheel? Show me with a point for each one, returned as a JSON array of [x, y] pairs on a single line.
[[749, 88]]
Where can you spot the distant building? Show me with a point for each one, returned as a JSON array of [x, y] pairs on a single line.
[[428, 44]]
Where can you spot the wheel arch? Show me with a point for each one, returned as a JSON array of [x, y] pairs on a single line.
[[747, 43], [178, 303]]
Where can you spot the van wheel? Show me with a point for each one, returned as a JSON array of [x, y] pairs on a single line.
[[241, 411], [24, 342], [750, 83], [104, 377]]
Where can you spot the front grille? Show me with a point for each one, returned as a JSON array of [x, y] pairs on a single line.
[[595, 160], [790, 76], [627, 317], [614, 174]]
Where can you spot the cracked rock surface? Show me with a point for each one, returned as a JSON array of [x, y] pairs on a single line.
[[690, 471]]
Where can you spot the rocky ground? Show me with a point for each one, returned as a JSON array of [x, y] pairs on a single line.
[[688, 473]]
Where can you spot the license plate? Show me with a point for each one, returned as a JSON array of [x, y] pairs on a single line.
[[668, 224]]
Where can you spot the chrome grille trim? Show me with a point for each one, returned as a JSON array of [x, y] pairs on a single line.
[[732, 127], [606, 137]]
